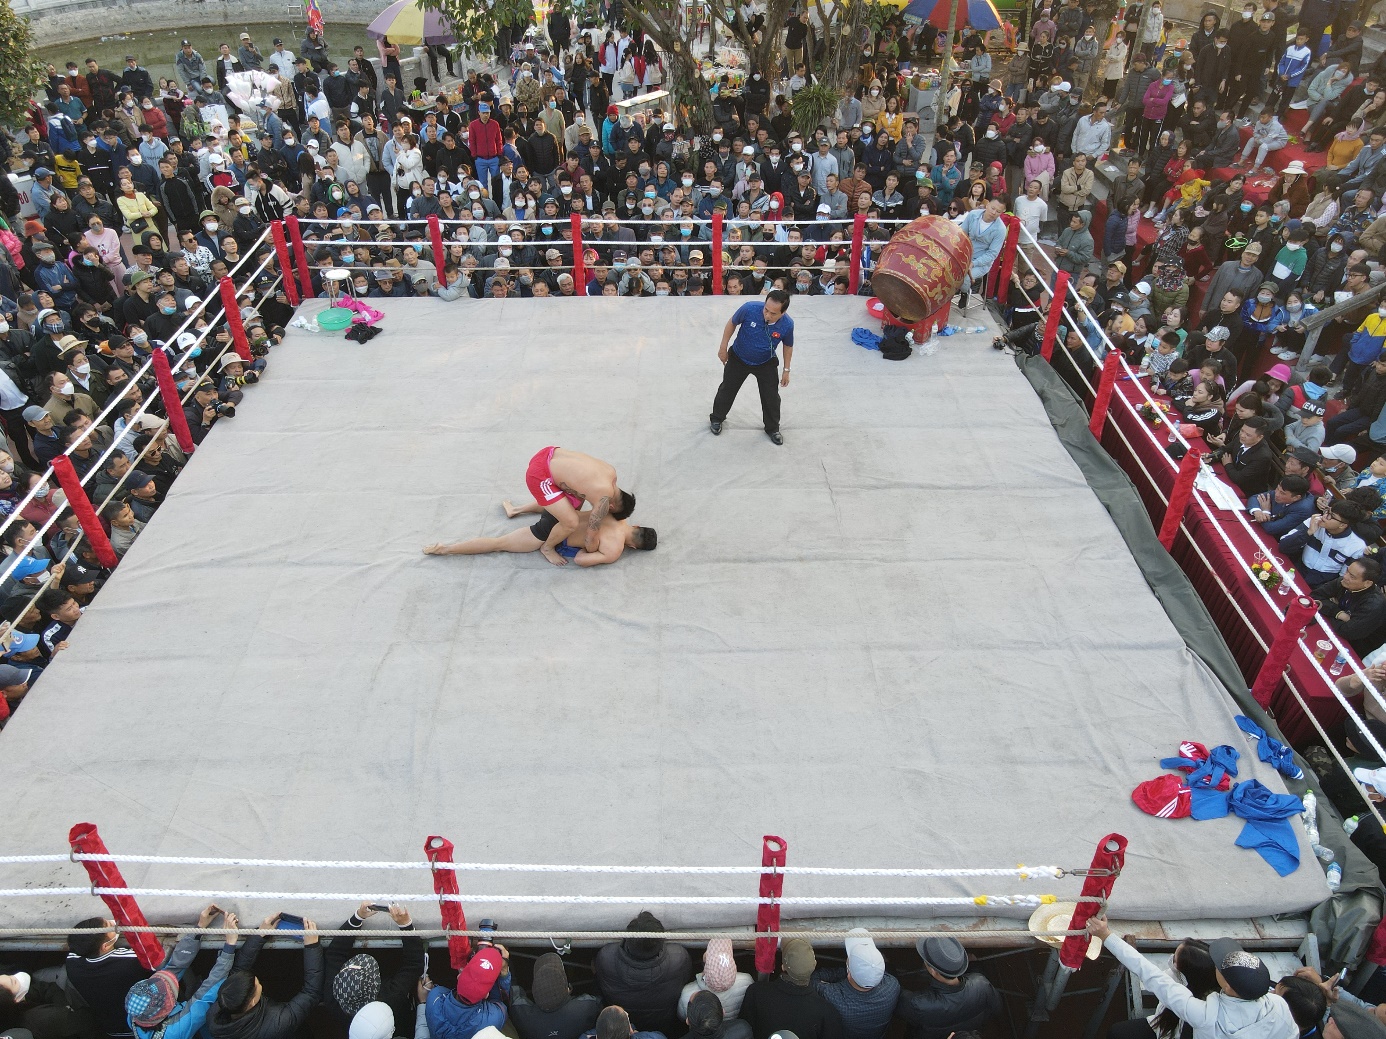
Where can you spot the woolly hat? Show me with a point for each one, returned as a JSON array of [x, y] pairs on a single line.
[[479, 975], [372, 1021], [550, 982], [797, 961], [358, 982], [150, 1001], [719, 965], [1165, 797]]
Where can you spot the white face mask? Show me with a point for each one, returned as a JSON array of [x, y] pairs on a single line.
[[1247, 15], [211, 225], [243, 210], [83, 369], [1039, 149], [566, 189], [4, 327], [875, 93], [991, 131], [136, 160], [1293, 246], [66, 388], [1336, 247]]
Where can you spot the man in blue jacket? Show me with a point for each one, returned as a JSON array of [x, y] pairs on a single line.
[[479, 1001], [1283, 509], [152, 1005]]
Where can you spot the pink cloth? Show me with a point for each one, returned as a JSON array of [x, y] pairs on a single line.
[[364, 315]]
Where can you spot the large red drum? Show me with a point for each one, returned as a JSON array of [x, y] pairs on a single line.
[[922, 268]]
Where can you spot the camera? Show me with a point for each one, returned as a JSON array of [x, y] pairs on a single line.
[[486, 926], [225, 409]]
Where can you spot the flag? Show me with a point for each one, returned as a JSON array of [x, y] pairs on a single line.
[[314, 16]]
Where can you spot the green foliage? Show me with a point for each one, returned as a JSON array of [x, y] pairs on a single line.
[[813, 106], [476, 23], [20, 72]]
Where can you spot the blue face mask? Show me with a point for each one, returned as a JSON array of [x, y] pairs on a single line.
[[1246, 207], [168, 310], [1166, 82]]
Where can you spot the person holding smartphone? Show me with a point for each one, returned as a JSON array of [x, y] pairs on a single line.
[[354, 981], [243, 1012]]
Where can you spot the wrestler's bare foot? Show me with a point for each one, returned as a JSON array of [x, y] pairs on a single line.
[[552, 556], [438, 549], [510, 511]]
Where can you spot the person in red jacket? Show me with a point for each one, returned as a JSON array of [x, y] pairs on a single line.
[[485, 141]]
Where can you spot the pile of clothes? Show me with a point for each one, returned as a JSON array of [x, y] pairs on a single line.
[[1200, 787]]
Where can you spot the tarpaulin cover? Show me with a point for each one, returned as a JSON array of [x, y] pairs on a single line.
[[911, 636]]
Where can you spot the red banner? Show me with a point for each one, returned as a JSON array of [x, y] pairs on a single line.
[[86, 841], [439, 849]]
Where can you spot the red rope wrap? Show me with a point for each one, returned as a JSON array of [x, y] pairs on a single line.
[[1000, 276], [717, 254], [168, 390], [85, 840], [233, 319], [305, 276], [858, 238], [435, 235], [1110, 855], [1297, 616], [1056, 311], [1179, 497], [774, 852], [579, 272], [1103, 401], [81, 507], [286, 267], [439, 849]]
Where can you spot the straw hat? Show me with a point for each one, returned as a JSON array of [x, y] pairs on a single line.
[[1055, 917]]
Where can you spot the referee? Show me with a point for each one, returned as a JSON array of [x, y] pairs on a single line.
[[760, 329]]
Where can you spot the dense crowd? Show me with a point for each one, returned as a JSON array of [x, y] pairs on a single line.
[[644, 985], [1210, 270]]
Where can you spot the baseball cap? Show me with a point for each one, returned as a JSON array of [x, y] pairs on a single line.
[[1119, 267], [245, 35], [553, 254], [1218, 332], [10, 675], [479, 975], [19, 642], [1244, 971], [1312, 407], [29, 567], [1339, 453], [34, 413], [41, 172], [1143, 287], [865, 964]]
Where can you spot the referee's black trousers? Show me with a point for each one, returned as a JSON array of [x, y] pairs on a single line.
[[734, 373]]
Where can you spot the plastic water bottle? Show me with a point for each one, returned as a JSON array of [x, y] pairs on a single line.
[[1311, 817], [1334, 876], [1339, 662], [976, 328], [1324, 854]]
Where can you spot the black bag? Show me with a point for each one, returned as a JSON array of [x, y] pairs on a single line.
[[894, 345]]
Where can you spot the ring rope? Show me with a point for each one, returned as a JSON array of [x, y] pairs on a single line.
[[1021, 871], [673, 900], [672, 936]]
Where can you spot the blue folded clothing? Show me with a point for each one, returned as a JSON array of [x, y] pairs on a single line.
[[864, 337], [1270, 750]]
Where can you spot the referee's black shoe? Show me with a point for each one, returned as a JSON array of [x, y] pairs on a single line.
[[715, 426], [776, 438]]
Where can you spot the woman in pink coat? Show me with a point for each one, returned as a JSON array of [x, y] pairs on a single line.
[[107, 243], [1039, 165], [1157, 101]]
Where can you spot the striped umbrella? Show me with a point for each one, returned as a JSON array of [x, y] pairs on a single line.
[[406, 22], [980, 14]]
